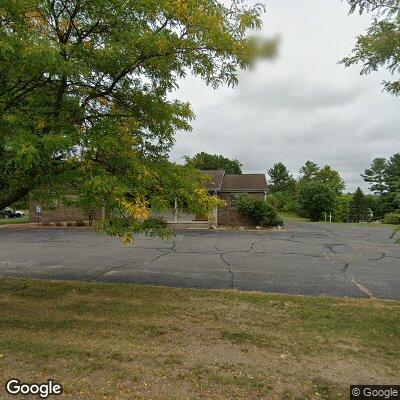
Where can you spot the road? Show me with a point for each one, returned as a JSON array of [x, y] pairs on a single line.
[[309, 259]]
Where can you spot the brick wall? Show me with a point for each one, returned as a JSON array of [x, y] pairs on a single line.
[[61, 213], [229, 216]]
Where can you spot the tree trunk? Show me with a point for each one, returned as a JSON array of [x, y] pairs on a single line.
[[10, 198]]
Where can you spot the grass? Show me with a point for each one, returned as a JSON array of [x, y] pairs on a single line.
[[109, 341], [21, 220], [294, 217]]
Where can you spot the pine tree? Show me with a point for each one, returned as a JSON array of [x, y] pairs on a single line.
[[308, 171], [281, 179], [358, 208], [375, 176]]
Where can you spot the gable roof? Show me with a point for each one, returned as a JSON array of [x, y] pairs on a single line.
[[244, 182], [217, 177]]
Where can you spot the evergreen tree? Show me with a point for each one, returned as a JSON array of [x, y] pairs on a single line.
[[281, 179], [392, 180], [308, 171], [358, 208], [375, 176]]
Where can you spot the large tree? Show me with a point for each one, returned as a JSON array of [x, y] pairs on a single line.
[[308, 171], [331, 178], [85, 100], [392, 180], [311, 172], [206, 161], [379, 47], [375, 176], [316, 198], [359, 211], [281, 180]]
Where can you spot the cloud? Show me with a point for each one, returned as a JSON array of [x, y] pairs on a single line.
[[303, 106]]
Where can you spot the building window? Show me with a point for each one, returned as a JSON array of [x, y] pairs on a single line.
[[235, 197]]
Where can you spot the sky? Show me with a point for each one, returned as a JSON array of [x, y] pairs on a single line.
[[301, 106]]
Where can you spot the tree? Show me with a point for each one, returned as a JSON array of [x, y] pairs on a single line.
[[341, 212], [358, 208], [392, 181], [205, 161], [376, 205], [308, 171], [331, 178], [375, 176], [316, 198], [311, 172], [85, 97], [281, 179], [379, 46]]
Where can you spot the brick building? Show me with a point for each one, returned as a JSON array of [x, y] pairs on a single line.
[[59, 213], [226, 186], [230, 188]]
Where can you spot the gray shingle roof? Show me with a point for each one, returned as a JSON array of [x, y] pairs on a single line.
[[229, 182], [216, 176], [244, 182]]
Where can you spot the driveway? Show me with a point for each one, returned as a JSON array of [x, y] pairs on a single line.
[[313, 259]]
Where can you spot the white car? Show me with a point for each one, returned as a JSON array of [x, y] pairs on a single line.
[[11, 213]]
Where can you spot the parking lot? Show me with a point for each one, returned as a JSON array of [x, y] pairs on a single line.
[[312, 259]]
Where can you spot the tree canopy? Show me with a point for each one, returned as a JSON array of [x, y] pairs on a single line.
[[379, 46], [359, 211], [315, 199], [308, 170], [281, 179], [327, 175], [85, 99], [375, 176], [206, 161]]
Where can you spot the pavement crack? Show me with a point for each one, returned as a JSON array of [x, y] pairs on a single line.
[[330, 247], [362, 288], [381, 257], [228, 267]]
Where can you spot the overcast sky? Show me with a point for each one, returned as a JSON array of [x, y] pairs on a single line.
[[301, 106]]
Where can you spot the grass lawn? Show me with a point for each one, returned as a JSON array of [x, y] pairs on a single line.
[[103, 341], [21, 220], [294, 217]]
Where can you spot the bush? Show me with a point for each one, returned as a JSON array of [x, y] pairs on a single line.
[[80, 222], [259, 212], [315, 198], [392, 218]]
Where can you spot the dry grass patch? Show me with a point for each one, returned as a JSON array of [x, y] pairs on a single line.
[[104, 341]]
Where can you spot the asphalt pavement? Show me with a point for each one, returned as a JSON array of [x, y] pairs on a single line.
[[306, 258]]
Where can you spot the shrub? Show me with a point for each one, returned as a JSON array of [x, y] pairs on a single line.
[[392, 218], [80, 222], [315, 198], [259, 212], [283, 201]]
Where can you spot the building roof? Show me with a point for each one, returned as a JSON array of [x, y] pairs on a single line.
[[217, 177], [244, 182], [235, 183]]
